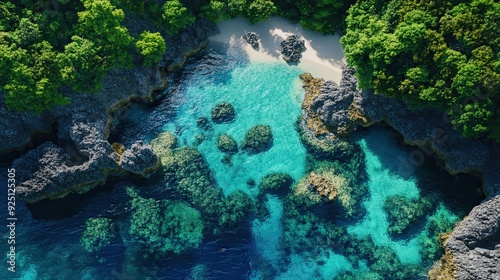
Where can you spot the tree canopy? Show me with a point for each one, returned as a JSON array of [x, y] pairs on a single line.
[[441, 54]]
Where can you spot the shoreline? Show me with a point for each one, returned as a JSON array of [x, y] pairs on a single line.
[[321, 62]]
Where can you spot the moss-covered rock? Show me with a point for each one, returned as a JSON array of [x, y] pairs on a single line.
[[258, 139], [98, 233], [226, 144], [165, 226], [223, 113], [163, 145], [320, 186], [276, 183], [402, 212]]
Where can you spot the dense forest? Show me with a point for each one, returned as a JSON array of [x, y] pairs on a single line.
[[443, 54]]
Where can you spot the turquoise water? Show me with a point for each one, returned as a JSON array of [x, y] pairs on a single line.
[[279, 237], [261, 94]]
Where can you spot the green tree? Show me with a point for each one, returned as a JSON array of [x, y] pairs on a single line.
[[260, 10], [151, 46], [176, 16], [100, 22]]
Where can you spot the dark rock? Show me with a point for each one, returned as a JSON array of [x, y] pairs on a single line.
[[223, 113], [276, 183], [292, 48], [252, 39], [140, 159], [251, 182], [226, 144], [258, 139]]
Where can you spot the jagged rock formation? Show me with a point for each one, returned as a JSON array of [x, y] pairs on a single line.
[[252, 39], [82, 158], [292, 48], [472, 249]]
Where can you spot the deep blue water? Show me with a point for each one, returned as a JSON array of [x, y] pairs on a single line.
[[282, 240]]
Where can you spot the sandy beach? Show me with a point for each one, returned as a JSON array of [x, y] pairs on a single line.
[[323, 58]]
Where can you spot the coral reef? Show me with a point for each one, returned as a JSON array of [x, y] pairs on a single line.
[[226, 144], [258, 139], [403, 212], [276, 183], [223, 113], [164, 226], [98, 233]]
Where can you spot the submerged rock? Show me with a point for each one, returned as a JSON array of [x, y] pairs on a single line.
[[292, 48], [276, 183], [223, 113], [258, 139], [252, 39], [227, 144], [203, 123]]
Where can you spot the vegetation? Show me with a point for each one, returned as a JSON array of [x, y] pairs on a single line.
[[151, 46], [227, 144], [276, 183], [442, 54]]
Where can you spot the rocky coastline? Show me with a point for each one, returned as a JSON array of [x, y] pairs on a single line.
[[334, 111], [81, 157]]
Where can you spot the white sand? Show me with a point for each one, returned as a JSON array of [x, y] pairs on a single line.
[[323, 58]]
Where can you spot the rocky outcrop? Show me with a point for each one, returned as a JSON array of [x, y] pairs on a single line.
[[292, 48], [140, 159], [82, 157], [252, 39], [472, 248]]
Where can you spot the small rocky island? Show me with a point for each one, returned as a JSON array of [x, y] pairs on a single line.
[[292, 48]]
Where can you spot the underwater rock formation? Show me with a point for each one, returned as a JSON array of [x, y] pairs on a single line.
[[83, 158], [223, 113], [402, 212], [140, 159], [252, 39], [203, 123], [292, 48], [258, 139], [276, 183], [98, 233], [227, 144], [164, 226]]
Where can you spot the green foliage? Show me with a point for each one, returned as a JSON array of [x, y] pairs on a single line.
[[260, 10], [164, 226], [176, 16], [98, 233], [325, 16], [437, 54], [403, 212], [151, 46], [100, 22]]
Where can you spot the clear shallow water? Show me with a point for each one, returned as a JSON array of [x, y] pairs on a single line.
[[283, 241]]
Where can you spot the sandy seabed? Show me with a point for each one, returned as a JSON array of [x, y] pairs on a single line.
[[323, 58]]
